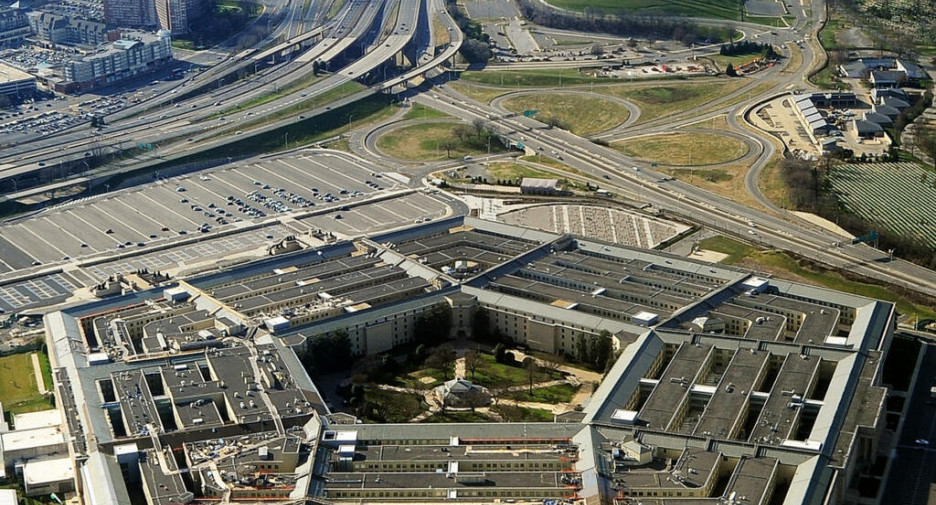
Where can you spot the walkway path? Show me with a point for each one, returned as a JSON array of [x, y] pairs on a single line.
[[37, 369]]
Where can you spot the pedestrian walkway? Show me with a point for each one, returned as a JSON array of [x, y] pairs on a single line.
[[37, 369]]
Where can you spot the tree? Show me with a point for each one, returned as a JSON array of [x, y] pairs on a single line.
[[327, 353], [581, 349], [448, 145], [472, 361], [500, 353], [434, 325], [461, 132], [730, 71], [597, 50], [532, 369], [478, 124], [442, 359]]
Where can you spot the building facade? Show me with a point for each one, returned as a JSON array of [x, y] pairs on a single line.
[[125, 58], [130, 13], [14, 27], [175, 15]]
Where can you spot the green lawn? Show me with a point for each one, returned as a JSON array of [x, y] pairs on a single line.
[[582, 115], [491, 374], [561, 393], [426, 142], [18, 390], [715, 9], [684, 149], [779, 261], [420, 111], [516, 414], [510, 171], [660, 100]]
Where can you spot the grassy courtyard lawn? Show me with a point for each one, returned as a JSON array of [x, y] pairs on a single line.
[[420, 111], [458, 417], [492, 374], [783, 265], [582, 115], [560, 393], [384, 406], [18, 390], [423, 378], [714, 9], [664, 99], [516, 414], [426, 142], [684, 149]]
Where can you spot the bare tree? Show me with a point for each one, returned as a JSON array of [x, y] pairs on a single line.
[[462, 132], [448, 145], [472, 361], [532, 369], [478, 124]]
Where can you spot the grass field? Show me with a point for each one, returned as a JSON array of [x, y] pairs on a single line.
[[661, 100], [715, 9], [561, 393], [439, 31], [516, 414], [18, 390], [424, 142], [498, 375], [684, 149], [582, 115], [514, 171], [784, 266], [420, 111], [530, 78]]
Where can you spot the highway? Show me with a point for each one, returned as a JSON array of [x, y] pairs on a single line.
[[687, 201], [198, 119]]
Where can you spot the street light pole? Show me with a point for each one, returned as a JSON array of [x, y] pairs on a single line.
[[349, 123]]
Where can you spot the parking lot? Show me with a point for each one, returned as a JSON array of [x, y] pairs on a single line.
[[193, 204], [356, 220], [174, 223]]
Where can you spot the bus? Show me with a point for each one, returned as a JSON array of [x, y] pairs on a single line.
[[176, 73]]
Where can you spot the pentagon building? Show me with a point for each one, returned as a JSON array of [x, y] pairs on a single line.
[[729, 388]]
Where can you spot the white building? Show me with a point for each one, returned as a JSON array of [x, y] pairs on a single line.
[[135, 54], [43, 476], [16, 83], [40, 419]]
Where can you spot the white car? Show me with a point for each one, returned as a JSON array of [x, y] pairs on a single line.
[[922, 441]]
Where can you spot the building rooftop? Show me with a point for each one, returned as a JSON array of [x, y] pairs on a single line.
[[20, 440]]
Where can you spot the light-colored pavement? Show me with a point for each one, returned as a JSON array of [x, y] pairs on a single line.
[[37, 369]]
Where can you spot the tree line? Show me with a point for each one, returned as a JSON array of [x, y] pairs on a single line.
[[747, 47], [477, 45]]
